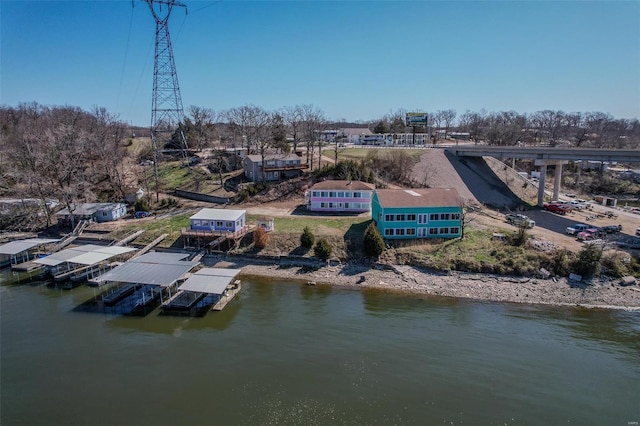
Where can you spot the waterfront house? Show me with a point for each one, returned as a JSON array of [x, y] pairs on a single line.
[[218, 220], [417, 213], [276, 167], [340, 196], [96, 212]]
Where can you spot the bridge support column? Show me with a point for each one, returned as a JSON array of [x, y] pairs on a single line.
[[556, 181], [543, 174]]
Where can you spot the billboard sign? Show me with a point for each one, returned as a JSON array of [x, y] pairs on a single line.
[[416, 119]]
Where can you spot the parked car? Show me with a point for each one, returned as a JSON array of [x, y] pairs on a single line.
[[556, 208], [576, 204], [577, 228], [590, 234], [141, 214], [612, 229], [519, 219]]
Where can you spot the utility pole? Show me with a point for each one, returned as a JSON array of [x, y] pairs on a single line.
[[166, 109]]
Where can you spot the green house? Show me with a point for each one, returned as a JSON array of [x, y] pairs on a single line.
[[417, 213]]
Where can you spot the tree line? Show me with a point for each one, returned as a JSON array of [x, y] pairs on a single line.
[[67, 153]]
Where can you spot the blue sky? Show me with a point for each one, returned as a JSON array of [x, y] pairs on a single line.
[[356, 60]]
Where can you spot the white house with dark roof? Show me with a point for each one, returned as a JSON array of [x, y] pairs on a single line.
[[417, 213], [340, 196]]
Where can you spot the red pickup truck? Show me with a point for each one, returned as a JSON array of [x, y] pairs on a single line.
[[556, 208]]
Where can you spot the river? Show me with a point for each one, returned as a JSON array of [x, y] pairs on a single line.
[[285, 353]]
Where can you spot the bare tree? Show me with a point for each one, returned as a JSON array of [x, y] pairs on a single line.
[[203, 122], [448, 116], [250, 123]]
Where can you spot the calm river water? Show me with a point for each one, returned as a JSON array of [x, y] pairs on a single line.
[[284, 353]]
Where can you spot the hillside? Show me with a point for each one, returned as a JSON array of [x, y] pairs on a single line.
[[483, 180]]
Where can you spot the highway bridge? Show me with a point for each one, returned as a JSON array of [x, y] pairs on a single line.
[[546, 156]]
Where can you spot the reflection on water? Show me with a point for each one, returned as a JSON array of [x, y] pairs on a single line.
[[290, 353]]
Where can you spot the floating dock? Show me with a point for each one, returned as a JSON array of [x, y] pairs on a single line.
[[207, 289]]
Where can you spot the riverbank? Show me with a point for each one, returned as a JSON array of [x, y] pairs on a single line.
[[605, 294]]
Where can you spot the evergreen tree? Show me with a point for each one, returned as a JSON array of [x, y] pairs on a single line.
[[322, 249], [307, 238], [373, 242]]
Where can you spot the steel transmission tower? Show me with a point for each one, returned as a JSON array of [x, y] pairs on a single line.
[[166, 109]]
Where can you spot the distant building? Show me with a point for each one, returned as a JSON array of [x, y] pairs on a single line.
[[340, 196], [417, 213], [276, 167], [96, 212]]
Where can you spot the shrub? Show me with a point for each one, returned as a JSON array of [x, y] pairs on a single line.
[[260, 238], [322, 249], [373, 244], [588, 261], [307, 238], [141, 205]]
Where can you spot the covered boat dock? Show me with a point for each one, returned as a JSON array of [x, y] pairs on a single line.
[[208, 288], [139, 284], [82, 262], [21, 251]]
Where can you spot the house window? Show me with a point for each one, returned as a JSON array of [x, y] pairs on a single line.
[[341, 194], [389, 218], [400, 217], [434, 216], [348, 195], [357, 195], [444, 216], [323, 194], [332, 205], [332, 194], [422, 232], [455, 230], [433, 231], [422, 218], [323, 205], [411, 231], [316, 193], [388, 232], [219, 224], [444, 230], [346, 205], [411, 217], [229, 224], [104, 214], [399, 231], [455, 216]]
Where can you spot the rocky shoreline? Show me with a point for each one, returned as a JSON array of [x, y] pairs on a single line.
[[600, 293]]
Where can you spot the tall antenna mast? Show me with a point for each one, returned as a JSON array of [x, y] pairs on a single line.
[[166, 110]]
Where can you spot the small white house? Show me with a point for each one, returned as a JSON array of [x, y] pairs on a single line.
[[97, 212], [218, 220]]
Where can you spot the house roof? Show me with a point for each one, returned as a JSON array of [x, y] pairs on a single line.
[[419, 197], [87, 209], [282, 157], [344, 185], [218, 214]]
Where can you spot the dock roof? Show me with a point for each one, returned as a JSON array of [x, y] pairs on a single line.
[[88, 254], [210, 280], [218, 214], [161, 269], [15, 247]]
